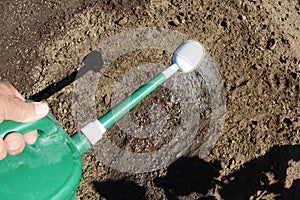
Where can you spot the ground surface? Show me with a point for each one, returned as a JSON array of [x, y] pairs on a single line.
[[256, 47]]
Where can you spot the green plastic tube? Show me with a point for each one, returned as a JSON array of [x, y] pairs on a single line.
[[125, 106], [93, 131]]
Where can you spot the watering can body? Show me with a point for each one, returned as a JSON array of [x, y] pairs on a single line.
[[49, 169]]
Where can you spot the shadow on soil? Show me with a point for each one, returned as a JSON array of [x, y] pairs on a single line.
[[92, 62], [261, 176], [266, 174], [120, 190]]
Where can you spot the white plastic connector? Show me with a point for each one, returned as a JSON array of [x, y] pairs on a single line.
[[170, 71], [93, 131]]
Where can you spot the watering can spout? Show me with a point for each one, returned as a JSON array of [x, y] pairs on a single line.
[[186, 59]]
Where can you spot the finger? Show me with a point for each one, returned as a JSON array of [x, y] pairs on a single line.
[[31, 137], [3, 151], [14, 143], [40, 111], [7, 89], [18, 94], [18, 110], [15, 92]]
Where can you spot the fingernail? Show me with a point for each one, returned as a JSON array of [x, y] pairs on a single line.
[[13, 145], [41, 108]]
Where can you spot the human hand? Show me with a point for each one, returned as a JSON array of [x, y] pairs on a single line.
[[13, 107]]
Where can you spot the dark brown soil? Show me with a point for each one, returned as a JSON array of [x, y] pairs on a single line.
[[256, 47]]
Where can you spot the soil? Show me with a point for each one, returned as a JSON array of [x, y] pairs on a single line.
[[255, 45]]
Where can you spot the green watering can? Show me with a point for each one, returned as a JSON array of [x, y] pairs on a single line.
[[51, 168]]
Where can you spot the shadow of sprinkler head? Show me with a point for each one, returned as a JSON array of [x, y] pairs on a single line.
[[92, 62]]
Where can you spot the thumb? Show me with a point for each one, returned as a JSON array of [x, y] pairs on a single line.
[[13, 108]]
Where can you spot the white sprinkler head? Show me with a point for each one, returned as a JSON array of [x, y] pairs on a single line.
[[189, 56]]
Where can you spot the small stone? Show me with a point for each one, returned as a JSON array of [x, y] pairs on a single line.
[[87, 33], [182, 20], [271, 44], [256, 66], [251, 41], [122, 21], [246, 8], [174, 22], [106, 98], [232, 164], [242, 17]]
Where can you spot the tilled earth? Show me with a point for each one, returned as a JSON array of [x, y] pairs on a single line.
[[255, 45]]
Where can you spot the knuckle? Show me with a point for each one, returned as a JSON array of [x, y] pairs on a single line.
[[21, 109]]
